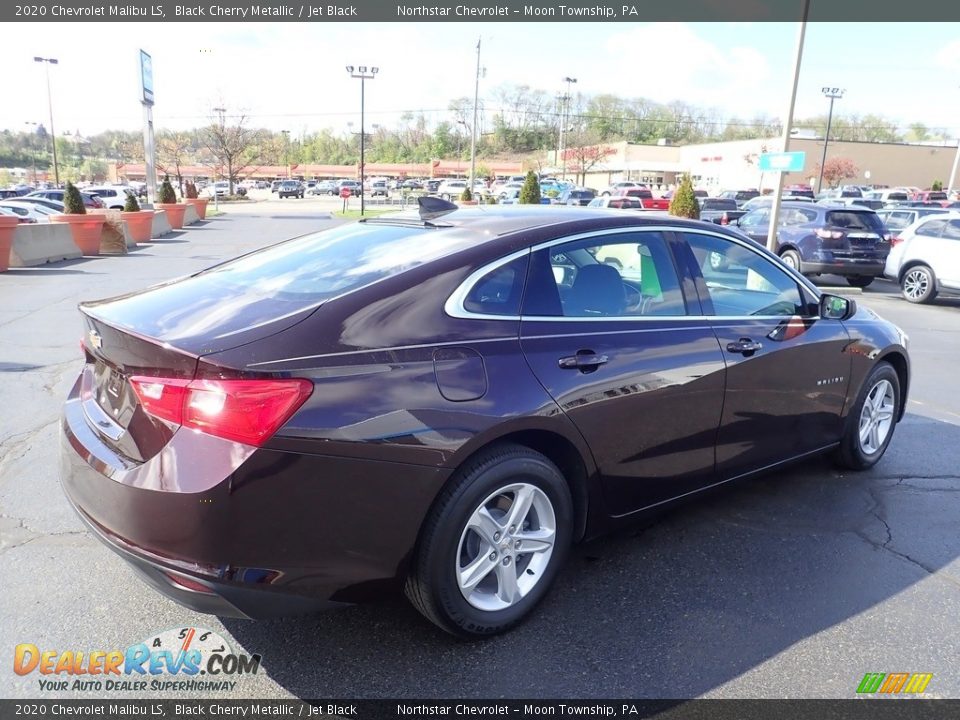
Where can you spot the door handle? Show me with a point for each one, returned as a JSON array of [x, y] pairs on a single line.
[[584, 360], [744, 346]]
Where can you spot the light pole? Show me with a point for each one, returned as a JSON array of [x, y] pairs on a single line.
[[33, 150], [564, 112], [834, 94], [216, 196], [473, 130], [363, 75], [286, 150], [53, 135]]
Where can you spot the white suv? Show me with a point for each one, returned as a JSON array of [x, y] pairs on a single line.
[[113, 197], [925, 257], [451, 189]]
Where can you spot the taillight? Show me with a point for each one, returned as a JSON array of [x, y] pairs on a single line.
[[895, 240], [829, 234], [724, 220], [247, 411]]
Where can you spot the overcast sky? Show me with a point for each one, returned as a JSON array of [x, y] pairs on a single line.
[[292, 77]]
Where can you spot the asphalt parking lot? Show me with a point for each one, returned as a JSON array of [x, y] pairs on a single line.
[[792, 585]]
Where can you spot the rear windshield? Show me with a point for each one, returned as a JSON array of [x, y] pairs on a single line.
[[897, 196], [852, 220], [718, 204], [322, 265], [937, 196]]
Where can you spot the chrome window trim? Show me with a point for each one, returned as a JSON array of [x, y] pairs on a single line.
[[454, 304]]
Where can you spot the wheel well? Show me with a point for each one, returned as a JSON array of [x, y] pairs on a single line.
[[562, 453], [899, 363], [907, 266], [782, 249]]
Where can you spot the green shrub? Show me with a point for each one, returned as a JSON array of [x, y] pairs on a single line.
[[684, 202], [131, 204], [937, 185], [466, 195], [192, 191], [530, 192], [166, 193], [72, 201]]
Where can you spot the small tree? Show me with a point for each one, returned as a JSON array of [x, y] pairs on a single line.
[[166, 193], [836, 169], [191, 191], [72, 201], [684, 203], [466, 195], [530, 192], [937, 185], [131, 204]]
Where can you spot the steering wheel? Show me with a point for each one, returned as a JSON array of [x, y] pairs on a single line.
[[634, 298]]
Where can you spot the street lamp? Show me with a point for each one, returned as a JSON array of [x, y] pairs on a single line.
[[363, 75], [286, 150], [834, 94], [33, 150], [53, 135], [564, 114]]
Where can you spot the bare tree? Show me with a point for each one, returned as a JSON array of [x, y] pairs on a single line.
[[175, 149], [233, 145]]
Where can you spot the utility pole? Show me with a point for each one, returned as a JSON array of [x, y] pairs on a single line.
[[564, 118], [833, 94], [473, 130], [53, 135]]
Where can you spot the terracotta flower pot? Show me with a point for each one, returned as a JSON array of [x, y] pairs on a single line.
[[86, 230], [175, 213], [7, 227], [200, 204], [140, 224]]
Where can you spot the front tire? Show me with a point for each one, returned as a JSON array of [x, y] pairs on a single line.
[[872, 420], [493, 543], [859, 281], [919, 284]]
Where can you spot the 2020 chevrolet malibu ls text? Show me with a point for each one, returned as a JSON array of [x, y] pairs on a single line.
[[446, 401]]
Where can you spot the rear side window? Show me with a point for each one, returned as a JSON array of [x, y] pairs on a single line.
[[932, 228], [952, 230], [499, 291]]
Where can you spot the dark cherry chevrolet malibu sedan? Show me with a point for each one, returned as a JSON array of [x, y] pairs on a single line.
[[445, 402]]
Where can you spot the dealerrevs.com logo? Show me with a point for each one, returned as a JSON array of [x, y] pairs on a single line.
[[174, 660], [894, 683]]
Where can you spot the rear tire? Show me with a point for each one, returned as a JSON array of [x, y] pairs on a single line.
[[919, 285], [470, 575], [859, 281], [872, 420], [791, 258]]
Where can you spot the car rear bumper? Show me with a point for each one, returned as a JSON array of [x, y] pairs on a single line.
[[847, 266], [229, 529]]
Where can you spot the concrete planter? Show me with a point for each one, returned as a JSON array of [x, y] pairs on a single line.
[[200, 204], [175, 213], [140, 224], [86, 230], [7, 227]]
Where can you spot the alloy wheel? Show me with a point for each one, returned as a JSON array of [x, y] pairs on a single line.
[[916, 283], [505, 547], [876, 417]]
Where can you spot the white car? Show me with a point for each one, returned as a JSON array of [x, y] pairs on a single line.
[[612, 190], [220, 187], [925, 258], [37, 213], [451, 189], [511, 189], [113, 196]]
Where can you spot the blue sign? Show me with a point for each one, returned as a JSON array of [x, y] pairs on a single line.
[[782, 161], [146, 77]]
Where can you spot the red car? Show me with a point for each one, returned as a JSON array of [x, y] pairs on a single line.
[[932, 196], [645, 196]]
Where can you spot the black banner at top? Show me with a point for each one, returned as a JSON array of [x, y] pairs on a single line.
[[854, 11]]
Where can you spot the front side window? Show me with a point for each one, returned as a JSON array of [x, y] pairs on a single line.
[[952, 230], [741, 282], [618, 275], [932, 228]]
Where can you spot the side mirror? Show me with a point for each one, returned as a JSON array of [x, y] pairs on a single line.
[[834, 307]]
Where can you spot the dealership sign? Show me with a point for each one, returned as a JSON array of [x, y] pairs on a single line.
[[782, 161]]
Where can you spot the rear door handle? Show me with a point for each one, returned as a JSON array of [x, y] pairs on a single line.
[[744, 346], [583, 360]]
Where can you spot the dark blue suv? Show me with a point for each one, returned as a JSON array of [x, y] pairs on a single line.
[[816, 239]]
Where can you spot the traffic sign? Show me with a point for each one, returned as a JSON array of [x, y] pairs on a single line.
[[782, 161]]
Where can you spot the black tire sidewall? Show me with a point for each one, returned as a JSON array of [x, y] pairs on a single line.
[[441, 556], [795, 259]]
